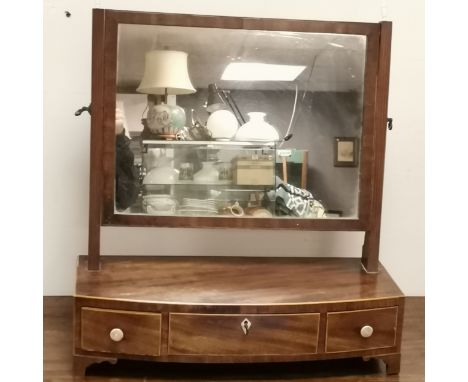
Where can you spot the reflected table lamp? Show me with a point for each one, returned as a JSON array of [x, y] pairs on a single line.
[[221, 99], [166, 73]]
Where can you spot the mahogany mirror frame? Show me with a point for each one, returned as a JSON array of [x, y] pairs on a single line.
[[104, 90]]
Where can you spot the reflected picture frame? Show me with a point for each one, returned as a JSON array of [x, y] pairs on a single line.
[[346, 151]]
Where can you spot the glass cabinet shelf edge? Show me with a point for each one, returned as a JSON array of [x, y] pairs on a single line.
[[251, 144]]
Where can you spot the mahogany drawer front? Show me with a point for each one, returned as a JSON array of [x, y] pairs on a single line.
[[222, 334], [347, 331], [140, 332]]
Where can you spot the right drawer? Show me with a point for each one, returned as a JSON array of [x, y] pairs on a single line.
[[361, 330]]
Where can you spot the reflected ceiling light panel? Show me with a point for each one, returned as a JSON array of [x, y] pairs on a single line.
[[253, 71], [336, 45]]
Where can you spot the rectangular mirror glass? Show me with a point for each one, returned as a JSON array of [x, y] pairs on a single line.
[[244, 123]]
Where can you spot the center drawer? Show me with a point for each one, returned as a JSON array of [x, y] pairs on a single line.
[[229, 334]]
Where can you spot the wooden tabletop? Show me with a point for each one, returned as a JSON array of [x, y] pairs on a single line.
[[232, 280]]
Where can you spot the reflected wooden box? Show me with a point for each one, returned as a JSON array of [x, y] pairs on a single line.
[[253, 172]]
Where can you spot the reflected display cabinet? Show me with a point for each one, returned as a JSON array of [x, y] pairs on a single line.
[[232, 122]]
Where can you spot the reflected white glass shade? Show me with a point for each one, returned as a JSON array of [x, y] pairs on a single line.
[[255, 71], [257, 129], [222, 124], [207, 175], [166, 69], [161, 169], [161, 175]]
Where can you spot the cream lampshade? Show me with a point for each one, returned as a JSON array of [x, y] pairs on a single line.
[[166, 72]]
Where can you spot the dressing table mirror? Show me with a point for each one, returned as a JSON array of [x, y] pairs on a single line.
[[232, 122]]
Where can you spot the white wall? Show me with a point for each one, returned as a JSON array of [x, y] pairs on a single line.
[[67, 86]]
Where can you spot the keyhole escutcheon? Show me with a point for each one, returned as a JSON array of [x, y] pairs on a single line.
[[245, 325]]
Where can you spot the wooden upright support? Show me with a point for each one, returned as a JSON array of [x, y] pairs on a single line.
[[370, 250], [95, 188]]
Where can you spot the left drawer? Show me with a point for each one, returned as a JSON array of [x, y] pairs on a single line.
[[120, 332]]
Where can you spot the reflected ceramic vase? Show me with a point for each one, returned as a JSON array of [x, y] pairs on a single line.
[[257, 129], [207, 175], [165, 119]]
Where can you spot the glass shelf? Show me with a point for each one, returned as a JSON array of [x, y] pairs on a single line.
[[209, 144]]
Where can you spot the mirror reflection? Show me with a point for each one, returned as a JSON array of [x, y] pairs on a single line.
[[243, 123]]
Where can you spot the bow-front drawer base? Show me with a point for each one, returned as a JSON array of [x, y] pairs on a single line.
[[236, 310]]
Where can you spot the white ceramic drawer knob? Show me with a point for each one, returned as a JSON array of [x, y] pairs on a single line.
[[116, 335], [366, 331]]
